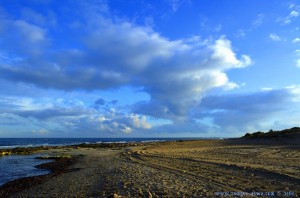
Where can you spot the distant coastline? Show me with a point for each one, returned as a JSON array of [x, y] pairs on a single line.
[[10, 143]]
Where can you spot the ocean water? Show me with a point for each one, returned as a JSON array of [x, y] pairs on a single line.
[[18, 166], [6, 143]]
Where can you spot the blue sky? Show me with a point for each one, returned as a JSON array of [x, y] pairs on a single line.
[[141, 68]]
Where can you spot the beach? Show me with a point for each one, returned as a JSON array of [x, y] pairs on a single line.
[[199, 168]]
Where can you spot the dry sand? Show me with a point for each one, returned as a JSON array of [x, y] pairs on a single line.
[[204, 168]]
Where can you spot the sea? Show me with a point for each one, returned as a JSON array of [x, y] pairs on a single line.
[[7, 143], [17, 166]]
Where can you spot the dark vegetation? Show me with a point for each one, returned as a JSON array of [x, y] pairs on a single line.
[[286, 133]]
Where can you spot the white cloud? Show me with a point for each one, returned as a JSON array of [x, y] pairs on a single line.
[[294, 13], [298, 63], [175, 73], [274, 37], [240, 33], [288, 19], [224, 54], [267, 89], [22, 39], [176, 4], [231, 85], [33, 17], [245, 61], [113, 123], [295, 91], [31, 32], [297, 52], [260, 110], [235, 114], [296, 40], [78, 119], [139, 121], [259, 20], [291, 6], [40, 131], [108, 53], [188, 84]]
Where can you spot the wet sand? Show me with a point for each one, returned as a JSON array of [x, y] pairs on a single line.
[[204, 168]]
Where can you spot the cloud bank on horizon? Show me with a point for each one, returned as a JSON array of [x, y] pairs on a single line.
[[98, 69]]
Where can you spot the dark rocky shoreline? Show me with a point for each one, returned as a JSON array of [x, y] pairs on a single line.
[[30, 150], [59, 166]]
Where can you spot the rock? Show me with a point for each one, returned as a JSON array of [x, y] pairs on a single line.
[[149, 194], [114, 196], [5, 153], [117, 196], [54, 157]]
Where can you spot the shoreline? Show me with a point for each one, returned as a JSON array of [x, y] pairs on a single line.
[[62, 142], [167, 169], [57, 167]]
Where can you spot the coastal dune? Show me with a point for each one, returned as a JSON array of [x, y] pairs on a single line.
[[202, 168]]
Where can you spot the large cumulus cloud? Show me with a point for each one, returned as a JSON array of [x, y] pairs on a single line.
[[110, 53]]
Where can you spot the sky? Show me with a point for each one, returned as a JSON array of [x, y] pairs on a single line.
[[148, 68]]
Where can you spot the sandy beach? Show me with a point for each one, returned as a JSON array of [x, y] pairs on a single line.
[[202, 168]]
